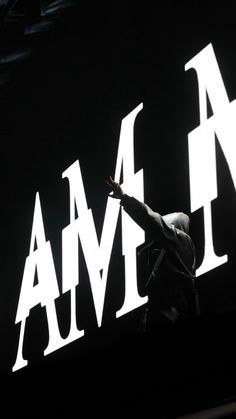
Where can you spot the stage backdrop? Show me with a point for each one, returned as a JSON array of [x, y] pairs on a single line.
[[146, 95]]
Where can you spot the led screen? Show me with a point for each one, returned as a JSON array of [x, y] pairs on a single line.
[[146, 96]]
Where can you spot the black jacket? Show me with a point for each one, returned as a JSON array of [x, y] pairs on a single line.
[[171, 288]]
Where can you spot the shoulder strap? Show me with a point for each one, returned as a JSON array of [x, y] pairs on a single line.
[[156, 265], [158, 261]]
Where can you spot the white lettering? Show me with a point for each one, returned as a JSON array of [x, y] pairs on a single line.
[[97, 256], [201, 141], [45, 291]]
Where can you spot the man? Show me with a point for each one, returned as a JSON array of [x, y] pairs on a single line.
[[170, 286], [172, 304]]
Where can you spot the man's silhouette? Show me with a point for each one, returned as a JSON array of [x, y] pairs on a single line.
[[171, 307]]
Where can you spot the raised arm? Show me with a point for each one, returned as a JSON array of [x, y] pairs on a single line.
[[151, 222]]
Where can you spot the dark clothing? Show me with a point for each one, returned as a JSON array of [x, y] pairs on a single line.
[[170, 290], [169, 345]]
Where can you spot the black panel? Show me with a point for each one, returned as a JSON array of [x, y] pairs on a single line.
[[69, 73]]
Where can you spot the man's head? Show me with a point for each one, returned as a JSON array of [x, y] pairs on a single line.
[[179, 220]]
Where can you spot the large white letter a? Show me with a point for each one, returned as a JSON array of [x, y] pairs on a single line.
[[45, 291]]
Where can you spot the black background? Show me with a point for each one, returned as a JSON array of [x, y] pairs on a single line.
[[65, 102]]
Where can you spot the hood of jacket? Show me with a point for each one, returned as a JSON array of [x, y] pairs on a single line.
[[179, 220]]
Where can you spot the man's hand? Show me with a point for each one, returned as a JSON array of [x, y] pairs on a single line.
[[118, 193]]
